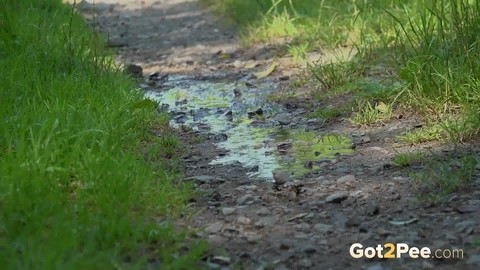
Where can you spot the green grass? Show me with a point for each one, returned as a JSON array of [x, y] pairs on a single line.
[[368, 113], [441, 177], [327, 113], [76, 191], [441, 66], [408, 159], [424, 134], [325, 23], [427, 50]]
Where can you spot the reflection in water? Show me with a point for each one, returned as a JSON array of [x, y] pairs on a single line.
[[244, 116]]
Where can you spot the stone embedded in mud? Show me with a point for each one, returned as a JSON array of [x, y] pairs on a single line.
[[323, 228], [280, 177], [247, 198], [244, 220], [214, 227], [228, 210], [353, 221], [337, 197], [372, 208], [309, 249], [348, 180]]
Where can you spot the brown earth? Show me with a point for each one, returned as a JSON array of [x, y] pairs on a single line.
[[309, 222]]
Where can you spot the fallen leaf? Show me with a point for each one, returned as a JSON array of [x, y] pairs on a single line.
[[265, 73], [382, 107], [224, 56]]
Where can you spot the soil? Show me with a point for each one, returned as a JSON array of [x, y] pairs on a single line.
[[308, 221]]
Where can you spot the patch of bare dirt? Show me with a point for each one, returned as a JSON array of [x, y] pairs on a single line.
[[308, 222]]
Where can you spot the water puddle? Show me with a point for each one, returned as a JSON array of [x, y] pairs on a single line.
[[251, 129]]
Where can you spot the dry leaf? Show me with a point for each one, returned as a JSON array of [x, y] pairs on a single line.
[[265, 73]]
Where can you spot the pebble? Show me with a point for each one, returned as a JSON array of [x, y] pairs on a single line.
[[302, 227], [337, 197], [280, 177], [309, 249], [305, 262], [323, 228], [228, 210], [348, 179], [353, 221], [264, 211], [244, 220], [214, 227], [372, 208], [245, 199]]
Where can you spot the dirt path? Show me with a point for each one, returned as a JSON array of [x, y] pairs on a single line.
[[310, 221]]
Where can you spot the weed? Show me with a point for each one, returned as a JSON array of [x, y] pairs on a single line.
[[408, 159], [298, 52], [369, 113], [440, 178], [327, 113], [441, 66], [425, 134], [333, 75]]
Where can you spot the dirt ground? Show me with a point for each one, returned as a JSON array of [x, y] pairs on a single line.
[[309, 222]]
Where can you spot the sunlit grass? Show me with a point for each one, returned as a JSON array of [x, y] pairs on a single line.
[[75, 193]]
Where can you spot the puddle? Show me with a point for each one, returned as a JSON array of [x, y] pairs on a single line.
[[252, 136]]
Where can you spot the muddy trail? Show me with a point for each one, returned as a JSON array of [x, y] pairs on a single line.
[[281, 191]]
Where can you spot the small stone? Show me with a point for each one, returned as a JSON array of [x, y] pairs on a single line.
[[134, 70], [337, 197], [302, 227], [353, 221], [247, 198], [305, 262], [309, 249], [243, 220], [372, 208], [280, 177], [202, 179], [383, 232], [221, 259], [323, 228], [347, 179], [237, 64], [264, 211], [365, 139], [254, 238], [214, 227], [228, 210]]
